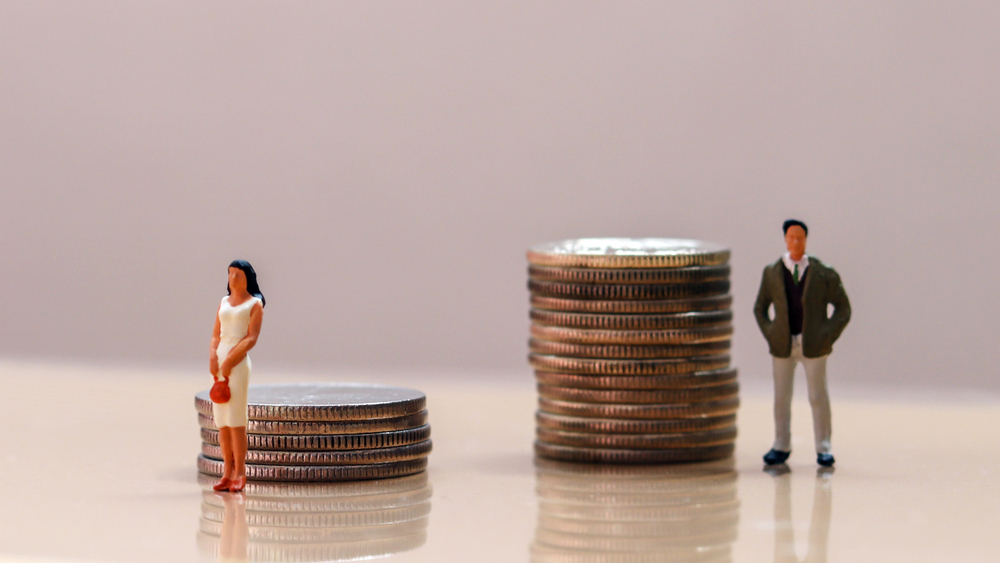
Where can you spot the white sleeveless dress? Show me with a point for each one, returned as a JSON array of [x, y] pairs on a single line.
[[233, 322]]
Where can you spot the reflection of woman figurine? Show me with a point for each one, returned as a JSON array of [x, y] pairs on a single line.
[[237, 326]]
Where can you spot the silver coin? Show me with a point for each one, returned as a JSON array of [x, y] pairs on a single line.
[[292, 491], [314, 552], [324, 401], [629, 275], [327, 504], [361, 472], [290, 518], [342, 442], [292, 428], [344, 457], [323, 535]]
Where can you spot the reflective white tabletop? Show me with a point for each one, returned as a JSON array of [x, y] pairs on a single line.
[[99, 465]]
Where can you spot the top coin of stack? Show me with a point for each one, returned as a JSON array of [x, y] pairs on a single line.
[[630, 343], [325, 432]]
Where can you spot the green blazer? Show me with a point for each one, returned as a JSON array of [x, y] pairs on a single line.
[[818, 332]]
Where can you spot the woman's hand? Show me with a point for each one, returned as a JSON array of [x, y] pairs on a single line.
[[226, 368]]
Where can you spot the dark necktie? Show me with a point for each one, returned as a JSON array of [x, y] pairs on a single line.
[[795, 274]]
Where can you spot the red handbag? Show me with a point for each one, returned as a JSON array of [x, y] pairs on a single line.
[[220, 392]]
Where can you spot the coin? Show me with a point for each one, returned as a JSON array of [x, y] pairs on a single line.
[[601, 455], [554, 554], [628, 367], [341, 442], [549, 348], [695, 527], [629, 275], [325, 428], [696, 379], [699, 475], [638, 441], [628, 291], [656, 412], [641, 396], [693, 544], [628, 253], [325, 534], [650, 306], [324, 401], [631, 322], [311, 491], [319, 472], [613, 426], [290, 517], [344, 457], [634, 337], [315, 551]]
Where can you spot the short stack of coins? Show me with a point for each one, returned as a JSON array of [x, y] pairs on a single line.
[[314, 521], [614, 513], [630, 344], [325, 432]]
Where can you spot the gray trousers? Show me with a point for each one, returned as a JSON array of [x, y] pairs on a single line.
[[784, 374]]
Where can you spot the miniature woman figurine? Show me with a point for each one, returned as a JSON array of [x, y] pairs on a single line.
[[237, 326]]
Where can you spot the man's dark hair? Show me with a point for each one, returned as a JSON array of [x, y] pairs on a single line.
[[793, 223]]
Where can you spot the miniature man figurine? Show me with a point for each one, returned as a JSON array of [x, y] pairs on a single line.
[[800, 287]]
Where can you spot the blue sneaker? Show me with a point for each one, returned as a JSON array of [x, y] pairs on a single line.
[[774, 457]]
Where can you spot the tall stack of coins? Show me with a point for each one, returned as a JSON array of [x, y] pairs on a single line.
[[630, 344], [325, 432], [602, 513], [314, 521]]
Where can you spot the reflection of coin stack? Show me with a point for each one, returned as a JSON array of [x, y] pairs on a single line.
[[611, 514], [315, 521], [325, 432], [630, 342]]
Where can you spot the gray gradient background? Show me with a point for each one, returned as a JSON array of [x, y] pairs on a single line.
[[384, 166]]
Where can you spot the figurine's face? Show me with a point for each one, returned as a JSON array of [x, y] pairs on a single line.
[[795, 240], [237, 280]]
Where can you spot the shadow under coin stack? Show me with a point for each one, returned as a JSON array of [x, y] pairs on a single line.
[[616, 514], [314, 521], [630, 344], [325, 432]]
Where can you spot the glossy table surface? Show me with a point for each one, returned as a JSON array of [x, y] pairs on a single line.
[[99, 465]]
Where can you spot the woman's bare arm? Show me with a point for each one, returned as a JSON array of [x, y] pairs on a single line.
[[213, 359], [239, 351]]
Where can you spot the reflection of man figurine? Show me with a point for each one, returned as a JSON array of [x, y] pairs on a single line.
[[819, 525], [800, 287]]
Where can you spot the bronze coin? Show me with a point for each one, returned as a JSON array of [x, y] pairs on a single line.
[[698, 476], [631, 426], [687, 380], [293, 428], [628, 253], [328, 442], [360, 472], [640, 396], [629, 275], [631, 337], [638, 441], [631, 322], [628, 367], [646, 307], [345, 457], [647, 412], [613, 351], [628, 292], [703, 528], [601, 455]]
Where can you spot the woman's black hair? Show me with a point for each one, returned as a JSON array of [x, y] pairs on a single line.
[[252, 287], [794, 223]]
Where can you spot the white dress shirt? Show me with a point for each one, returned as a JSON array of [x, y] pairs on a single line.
[[803, 263]]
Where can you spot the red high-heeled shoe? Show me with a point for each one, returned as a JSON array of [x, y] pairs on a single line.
[[222, 485], [237, 484]]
